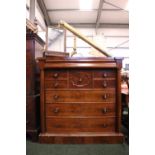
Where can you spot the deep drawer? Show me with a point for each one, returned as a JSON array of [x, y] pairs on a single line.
[[80, 109], [53, 96], [106, 124]]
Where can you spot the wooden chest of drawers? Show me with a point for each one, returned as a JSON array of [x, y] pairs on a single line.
[[80, 100]]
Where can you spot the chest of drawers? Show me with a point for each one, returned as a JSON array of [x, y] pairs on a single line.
[[80, 100]]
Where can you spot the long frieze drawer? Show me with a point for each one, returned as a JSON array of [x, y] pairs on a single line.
[[104, 73], [104, 84], [55, 74], [106, 124], [80, 79], [52, 96], [55, 84], [80, 109]]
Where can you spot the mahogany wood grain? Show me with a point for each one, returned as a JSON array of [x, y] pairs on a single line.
[[80, 100], [81, 138], [80, 109], [67, 124], [104, 84], [53, 96], [104, 73], [55, 74], [56, 84], [34, 46]]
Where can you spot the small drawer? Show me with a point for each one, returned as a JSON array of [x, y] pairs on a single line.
[[104, 84], [80, 109], [63, 124], [105, 73], [55, 75], [55, 84]]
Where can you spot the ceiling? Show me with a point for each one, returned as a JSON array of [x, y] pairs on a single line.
[[104, 13]]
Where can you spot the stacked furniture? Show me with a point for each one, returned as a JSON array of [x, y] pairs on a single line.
[[34, 46], [80, 100]]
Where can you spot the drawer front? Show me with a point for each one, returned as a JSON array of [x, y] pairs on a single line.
[[80, 79], [104, 73], [104, 84], [52, 96], [55, 74], [80, 109], [80, 124], [56, 84]]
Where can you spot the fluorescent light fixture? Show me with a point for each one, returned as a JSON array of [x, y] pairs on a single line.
[[86, 4]]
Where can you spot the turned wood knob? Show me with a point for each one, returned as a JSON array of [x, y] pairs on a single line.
[[104, 84], [55, 75], [56, 85], [105, 96], [104, 75], [104, 110], [56, 97], [80, 80], [56, 110], [104, 125]]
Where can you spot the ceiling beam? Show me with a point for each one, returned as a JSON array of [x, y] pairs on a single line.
[[99, 14], [63, 10], [44, 11], [115, 6], [92, 25]]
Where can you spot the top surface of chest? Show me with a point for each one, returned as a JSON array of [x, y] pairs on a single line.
[[79, 62]]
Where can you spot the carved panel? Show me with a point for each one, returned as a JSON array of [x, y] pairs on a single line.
[[80, 79]]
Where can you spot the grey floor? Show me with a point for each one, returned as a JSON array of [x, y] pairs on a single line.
[[80, 149], [74, 149]]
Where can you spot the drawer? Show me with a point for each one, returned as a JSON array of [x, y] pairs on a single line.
[[106, 124], [104, 84], [80, 79], [104, 73], [80, 109], [52, 96], [55, 84], [55, 74]]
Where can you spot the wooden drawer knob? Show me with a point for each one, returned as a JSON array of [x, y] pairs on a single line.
[[56, 110], [104, 75], [55, 75], [104, 84], [104, 125], [104, 110], [56, 85], [105, 96], [56, 97]]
